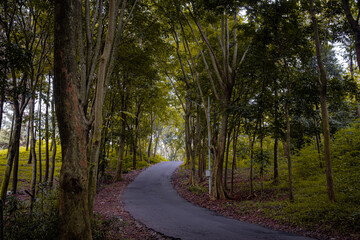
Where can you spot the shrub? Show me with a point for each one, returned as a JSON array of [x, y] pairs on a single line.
[[41, 223]]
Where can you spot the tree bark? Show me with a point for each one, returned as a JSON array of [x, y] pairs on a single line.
[[33, 155], [15, 174], [53, 155], [323, 101], [12, 151], [122, 138], [47, 160], [233, 165], [31, 126], [152, 119], [276, 136], [2, 101], [355, 27], [39, 131], [28, 138], [288, 154], [74, 219], [227, 160]]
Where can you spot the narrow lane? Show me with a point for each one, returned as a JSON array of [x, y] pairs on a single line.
[[152, 200]]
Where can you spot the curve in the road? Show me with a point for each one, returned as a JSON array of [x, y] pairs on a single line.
[[152, 200]]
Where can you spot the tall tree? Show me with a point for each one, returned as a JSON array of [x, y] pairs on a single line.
[[74, 213], [324, 108]]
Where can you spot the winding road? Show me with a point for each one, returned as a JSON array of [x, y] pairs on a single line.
[[151, 199]]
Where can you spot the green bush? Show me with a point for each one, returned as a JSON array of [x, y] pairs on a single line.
[[41, 223]]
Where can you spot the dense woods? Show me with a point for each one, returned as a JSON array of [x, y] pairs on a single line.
[[271, 87]]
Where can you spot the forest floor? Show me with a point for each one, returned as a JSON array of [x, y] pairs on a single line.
[[112, 221], [238, 207]]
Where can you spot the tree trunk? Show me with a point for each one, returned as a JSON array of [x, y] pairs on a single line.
[[317, 140], [276, 136], [31, 125], [187, 134], [140, 148], [134, 153], [122, 139], [158, 133], [12, 151], [33, 156], [323, 101], [53, 155], [227, 160], [40, 140], [47, 160], [233, 165], [252, 165], [354, 24], [15, 174], [11, 133], [2, 100], [28, 138], [288, 144], [74, 218], [152, 119], [218, 189]]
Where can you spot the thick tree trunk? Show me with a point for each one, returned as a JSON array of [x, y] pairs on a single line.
[[74, 219], [218, 189], [323, 101]]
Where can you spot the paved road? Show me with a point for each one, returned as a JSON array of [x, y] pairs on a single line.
[[152, 200]]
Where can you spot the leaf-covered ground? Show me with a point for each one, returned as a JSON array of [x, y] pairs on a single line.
[[113, 222], [244, 208]]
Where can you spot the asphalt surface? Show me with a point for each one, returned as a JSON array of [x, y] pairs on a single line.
[[152, 200]]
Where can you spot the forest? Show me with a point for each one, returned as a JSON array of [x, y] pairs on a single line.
[[266, 91]]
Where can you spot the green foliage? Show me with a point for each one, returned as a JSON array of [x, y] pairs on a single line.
[[157, 159], [345, 152], [98, 227], [197, 189], [41, 223]]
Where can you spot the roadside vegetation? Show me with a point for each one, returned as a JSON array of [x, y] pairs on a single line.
[[310, 213], [22, 220]]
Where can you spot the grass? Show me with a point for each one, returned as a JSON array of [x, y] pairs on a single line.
[[25, 169]]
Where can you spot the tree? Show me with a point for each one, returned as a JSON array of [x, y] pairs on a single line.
[[324, 109], [74, 212]]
